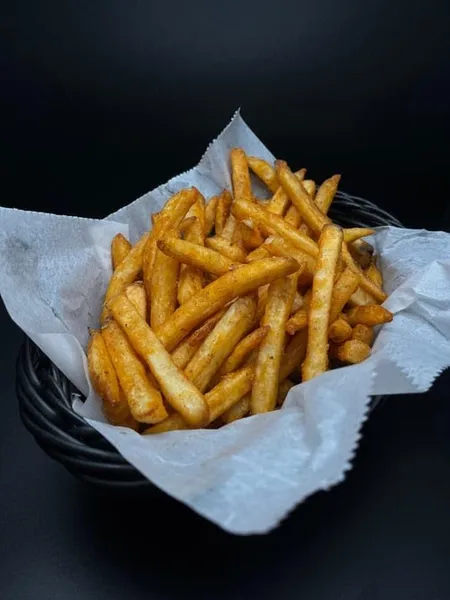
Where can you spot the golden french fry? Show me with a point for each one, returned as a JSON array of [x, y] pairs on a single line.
[[277, 246], [279, 304], [189, 346], [224, 202], [310, 186], [339, 331], [125, 273], [179, 392], [220, 342], [363, 333], [186, 225], [280, 200], [351, 352], [293, 217], [272, 224], [365, 283], [316, 360], [326, 192], [137, 296], [362, 252], [120, 247], [220, 399], [283, 390], [144, 400], [298, 321], [297, 304], [294, 354], [264, 171], [251, 237], [234, 252], [370, 315], [237, 411], [257, 254], [374, 274], [210, 214], [343, 290], [361, 298], [191, 278], [164, 286], [353, 234], [229, 231], [217, 294], [242, 350], [195, 255], [240, 175]]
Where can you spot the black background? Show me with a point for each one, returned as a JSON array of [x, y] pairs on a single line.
[[102, 101]]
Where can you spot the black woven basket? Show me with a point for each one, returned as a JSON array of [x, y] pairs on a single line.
[[45, 394]]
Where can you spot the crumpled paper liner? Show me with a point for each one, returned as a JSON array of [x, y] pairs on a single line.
[[248, 476]]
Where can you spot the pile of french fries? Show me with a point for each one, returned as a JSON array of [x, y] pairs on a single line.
[[218, 310]]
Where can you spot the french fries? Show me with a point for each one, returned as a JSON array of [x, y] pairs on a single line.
[[219, 310]]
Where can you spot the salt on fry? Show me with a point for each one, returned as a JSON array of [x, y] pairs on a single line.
[[120, 247], [223, 206], [279, 304], [240, 176], [178, 391], [316, 360], [144, 400], [210, 214], [217, 294]]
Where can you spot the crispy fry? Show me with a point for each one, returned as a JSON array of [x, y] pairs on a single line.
[[277, 246], [220, 399], [344, 288], [120, 247], [238, 410], [191, 278], [234, 252], [229, 231], [283, 390], [195, 255], [370, 315], [279, 304], [316, 361], [224, 202], [351, 352], [298, 321], [374, 274], [353, 234], [272, 224], [293, 216], [339, 331], [294, 354], [326, 192], [362, 252], [189, 346], [366, 284], [242, 350], [310, 186], [144, 400], [217, 294], [210, 214], [257, 254], [220, 342], [251, 236], [186, 225], [179, 392], [164, 286], [240, 175], [280, 200], [363, 333], [137, 296], [104, 379], [298, 303], [264, 171], [125, 273]]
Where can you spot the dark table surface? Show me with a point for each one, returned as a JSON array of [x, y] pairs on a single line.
[[103, 101]]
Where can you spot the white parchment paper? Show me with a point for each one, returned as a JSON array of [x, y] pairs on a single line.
[[247, 476]]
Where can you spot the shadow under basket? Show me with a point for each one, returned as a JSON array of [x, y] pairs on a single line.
[[45, 394]]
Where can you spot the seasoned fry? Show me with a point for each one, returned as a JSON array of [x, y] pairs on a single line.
[[279, 304], [277, 246], [197, 256], [344, 288], [179, 392], [366, 284], [355, 233], [326, 192], [224, 202], [144, 400], [351, 352], [374, 274], [370, 315], [240, 175], [234, 252], [310, 186], [186, 225], [362, 252], [363, 333], [221, 398], [298, 321], [217, 294], [242, 350], [210, 214], [339, 331], [125, 273], [251, 236], [257, 254], [283, 390], [137, 296], [237, 411], [229, 231], [297, 304], [191, 278], [120, 247], [264, 171], [294, 354], [272, 224], [293, 217], [220, 342], [164, 286], [316, 361], [189, 346], [280, 200]]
